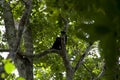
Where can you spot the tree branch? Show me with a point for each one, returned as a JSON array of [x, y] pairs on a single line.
[[4, 50], [46, 52], [28, 42], [63, 52], [12, 39], [42, 54], [9, 27], [102, 72], [90, 72], [23, 22], [9, 24], [80, 61], [66, 23]]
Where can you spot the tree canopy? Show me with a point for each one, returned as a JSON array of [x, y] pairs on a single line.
[[89, 32]]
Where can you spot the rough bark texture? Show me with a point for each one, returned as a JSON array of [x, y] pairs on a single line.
[[63, 53], [29, 50], [10, 28], [23, 64]]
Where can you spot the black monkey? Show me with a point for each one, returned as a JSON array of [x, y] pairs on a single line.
[[57, 44]]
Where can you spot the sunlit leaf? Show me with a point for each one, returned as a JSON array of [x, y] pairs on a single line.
[[20, 78], [3, 75], [9, 67]]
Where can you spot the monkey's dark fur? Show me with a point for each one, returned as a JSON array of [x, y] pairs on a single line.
[[57, 44]]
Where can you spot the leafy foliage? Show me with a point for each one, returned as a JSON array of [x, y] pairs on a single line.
[[89, 21], [9, 67]]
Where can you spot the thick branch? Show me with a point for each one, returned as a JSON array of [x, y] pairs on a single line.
[[28, 43], [42, 54], [10, 28], [63, 53], [80, 61], [4, 50], [37, 55], [69, 70], [24, 20], [27, 69], [13, 41], [9, 25]]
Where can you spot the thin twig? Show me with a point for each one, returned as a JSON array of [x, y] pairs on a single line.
[[102, 72], [90, 72]]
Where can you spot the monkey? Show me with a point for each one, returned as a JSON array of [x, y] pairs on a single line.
[[57, 44]]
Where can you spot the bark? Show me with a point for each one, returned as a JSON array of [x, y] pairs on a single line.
[[69, 70], [80, 61], [10, 28], [63, 52], [23, 64], [29, 50]]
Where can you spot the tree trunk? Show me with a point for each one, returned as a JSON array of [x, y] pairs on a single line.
[[29, 50], [22, 63], [63, 54]]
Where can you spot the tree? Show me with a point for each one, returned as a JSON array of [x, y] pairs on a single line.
[[32, 27], [14, 38]]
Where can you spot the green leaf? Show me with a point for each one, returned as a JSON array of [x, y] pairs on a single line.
[[9, 67], [3, 75], [20, 78]]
